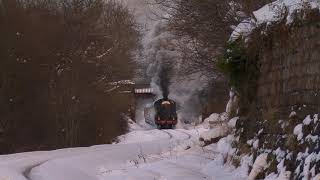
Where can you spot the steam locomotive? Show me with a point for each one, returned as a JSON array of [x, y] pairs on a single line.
[[165, 113]]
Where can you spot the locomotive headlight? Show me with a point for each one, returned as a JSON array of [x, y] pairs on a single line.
[[165, 102]]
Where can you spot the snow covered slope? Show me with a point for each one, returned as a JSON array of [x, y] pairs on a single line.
[[272, 13], [140, 154]]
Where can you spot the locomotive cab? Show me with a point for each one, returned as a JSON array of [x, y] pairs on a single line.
[[166, 114]]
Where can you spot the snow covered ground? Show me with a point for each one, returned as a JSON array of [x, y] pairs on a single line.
[[142, 154]]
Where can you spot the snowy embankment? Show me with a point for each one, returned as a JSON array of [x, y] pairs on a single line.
[[140, 154], [286, 148]]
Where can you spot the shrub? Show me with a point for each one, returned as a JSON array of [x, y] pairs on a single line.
[[234, 64]]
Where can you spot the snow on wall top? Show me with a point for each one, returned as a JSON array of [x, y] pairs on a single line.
[[270, 13]]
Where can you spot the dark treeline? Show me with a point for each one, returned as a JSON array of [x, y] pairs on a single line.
[[56, 60]]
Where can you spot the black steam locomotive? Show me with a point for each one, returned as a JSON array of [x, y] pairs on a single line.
[[166, 113]]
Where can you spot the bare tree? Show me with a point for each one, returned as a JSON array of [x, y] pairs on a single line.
[[205, 26], [202, 29], [56, 56]]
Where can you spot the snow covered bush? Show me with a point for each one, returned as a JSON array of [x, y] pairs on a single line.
[[214, 135]]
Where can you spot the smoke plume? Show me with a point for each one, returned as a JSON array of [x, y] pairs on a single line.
[[164, 78]]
